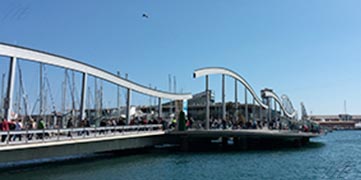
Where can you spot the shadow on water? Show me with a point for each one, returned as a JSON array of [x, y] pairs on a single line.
[[143, 154], [68, 160]]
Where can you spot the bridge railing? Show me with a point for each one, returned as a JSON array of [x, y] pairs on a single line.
[[53, 135]]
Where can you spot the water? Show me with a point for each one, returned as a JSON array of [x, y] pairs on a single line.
[[335, 156]]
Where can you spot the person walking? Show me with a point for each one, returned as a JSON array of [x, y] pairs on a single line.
[[70, 125], [18, 127], [4, 127]]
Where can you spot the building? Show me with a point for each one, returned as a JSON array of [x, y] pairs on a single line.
[[341, 121], [197, 108]]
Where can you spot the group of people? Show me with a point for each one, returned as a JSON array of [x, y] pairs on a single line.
[[14, 125], [274, 124], [17, 125]]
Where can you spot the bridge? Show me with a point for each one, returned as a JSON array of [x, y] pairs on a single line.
[[84, 133]]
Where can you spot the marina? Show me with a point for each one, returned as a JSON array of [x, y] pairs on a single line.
[[180, 90], [82, 133]]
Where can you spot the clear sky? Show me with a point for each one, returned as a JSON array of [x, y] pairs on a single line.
[[309, 50]]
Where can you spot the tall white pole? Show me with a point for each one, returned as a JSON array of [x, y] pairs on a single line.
[[10, 89], [236, 99], [246, 104], [207, 102], [223, 97]]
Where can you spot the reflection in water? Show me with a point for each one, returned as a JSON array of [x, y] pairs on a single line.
[[335, 156]]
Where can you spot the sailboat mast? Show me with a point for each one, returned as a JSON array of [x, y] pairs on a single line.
[[2, 93]]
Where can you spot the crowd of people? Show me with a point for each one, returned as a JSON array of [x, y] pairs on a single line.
[[190, 123], [40, 124], [274, 124], [17, 125]]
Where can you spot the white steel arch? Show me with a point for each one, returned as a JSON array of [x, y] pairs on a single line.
[[219, 70], [278, 100], [55, 60]]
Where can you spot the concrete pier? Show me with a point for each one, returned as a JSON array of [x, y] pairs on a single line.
[[186, 140], [242, 139], [14, 153]]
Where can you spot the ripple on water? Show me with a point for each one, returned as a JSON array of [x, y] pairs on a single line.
[[335, 156]]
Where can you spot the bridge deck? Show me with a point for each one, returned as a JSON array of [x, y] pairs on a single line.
[[21, 150], [78, 141]]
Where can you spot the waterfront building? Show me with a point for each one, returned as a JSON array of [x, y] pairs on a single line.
[[341, 121]]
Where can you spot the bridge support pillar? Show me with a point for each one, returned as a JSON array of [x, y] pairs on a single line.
[[83, 96], [10, 89], [160, 110], [274, 110], [246, 104], [118, 94], [224, 141], [269, 113], [240, 143], [260, 114], [235, 100], [253, 110], [184, 143], [223, 97], [129, 91], [207, 102]]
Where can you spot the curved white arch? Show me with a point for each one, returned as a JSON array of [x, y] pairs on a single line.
[[287, 103], [278, 100], [55, 60], [218, 70]]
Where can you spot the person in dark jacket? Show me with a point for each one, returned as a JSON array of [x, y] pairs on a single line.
[[4, 127], [69, 125]]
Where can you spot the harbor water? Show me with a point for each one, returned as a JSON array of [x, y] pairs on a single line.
[[334, 156]]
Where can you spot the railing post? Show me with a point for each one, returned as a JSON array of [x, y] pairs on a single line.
[[95, 131], [26, 136], [58, 136], [8, 137], [83, 132], [43, 138]]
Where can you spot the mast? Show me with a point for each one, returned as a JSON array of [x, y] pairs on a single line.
[[170, 90], [2, 93], [175, 101]]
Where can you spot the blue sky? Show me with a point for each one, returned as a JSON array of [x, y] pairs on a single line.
[[309, 50]]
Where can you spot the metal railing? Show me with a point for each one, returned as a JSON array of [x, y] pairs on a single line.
[[53, 135]]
